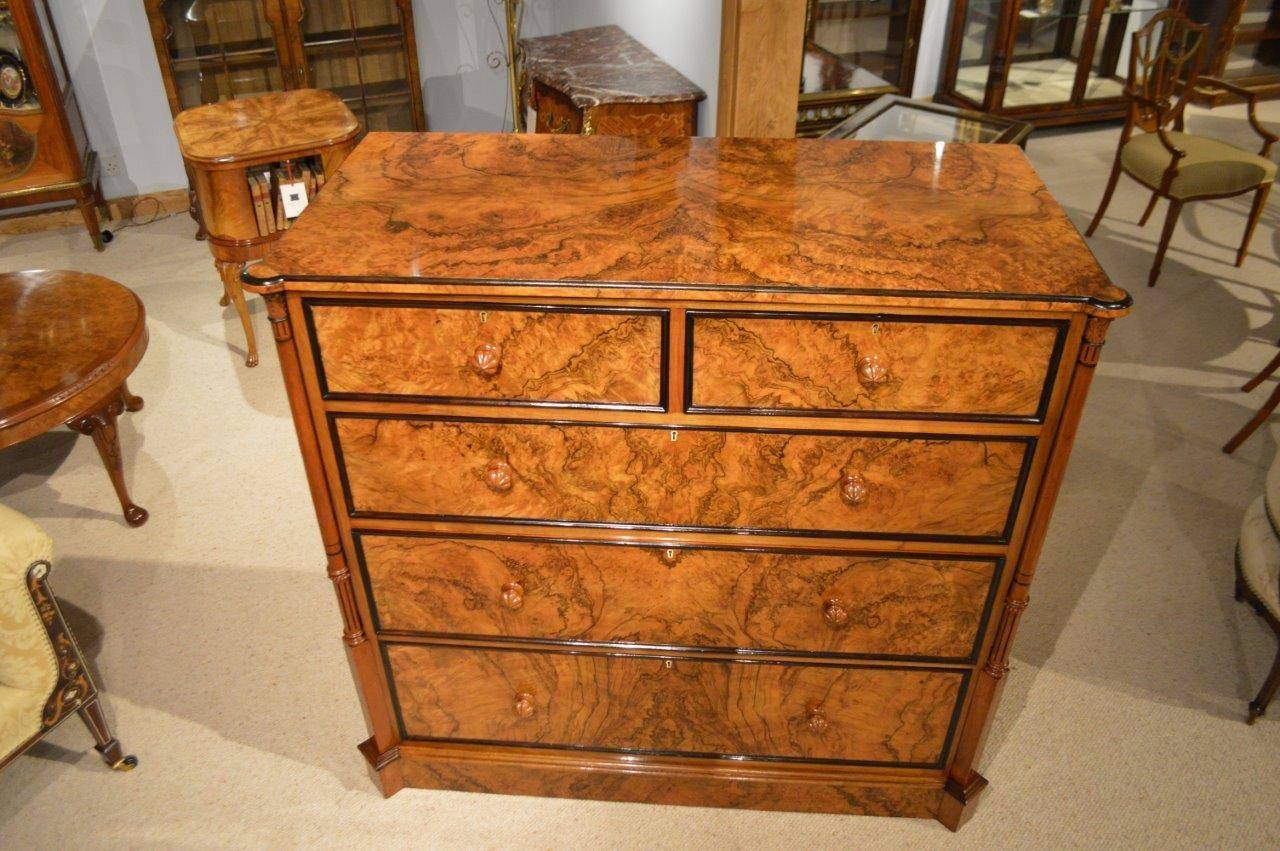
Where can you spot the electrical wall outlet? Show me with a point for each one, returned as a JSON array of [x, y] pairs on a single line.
[[112, 165]]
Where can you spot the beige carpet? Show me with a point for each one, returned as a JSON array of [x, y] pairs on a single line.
[[216, 633]]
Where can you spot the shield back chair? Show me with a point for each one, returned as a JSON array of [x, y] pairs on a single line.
[[1258, 575], [1164, 69], [43, 678]]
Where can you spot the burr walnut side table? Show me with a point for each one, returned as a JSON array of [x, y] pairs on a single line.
[[223, 142], [68, 341]]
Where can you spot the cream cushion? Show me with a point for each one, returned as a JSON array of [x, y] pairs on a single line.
[[28, 667], [1259, 555], [1209, 168]]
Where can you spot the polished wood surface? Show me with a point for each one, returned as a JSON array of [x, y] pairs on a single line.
[[865, 405], [68, 342], [727, 215], [269, 126], [847, 364], [847, 604], [703, 478], [491, 352], [899, 716]]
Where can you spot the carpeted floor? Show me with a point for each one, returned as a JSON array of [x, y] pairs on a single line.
[[216, 636]]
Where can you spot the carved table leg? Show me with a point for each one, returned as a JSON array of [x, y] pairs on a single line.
[[230, 272], [101, 426], [131, 402], [106, 744]]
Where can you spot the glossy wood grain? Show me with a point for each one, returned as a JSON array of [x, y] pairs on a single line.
[[871, 365], [270, 125], [676, 706], [537, 355], [845, 604], [703, 478], [723, 214]]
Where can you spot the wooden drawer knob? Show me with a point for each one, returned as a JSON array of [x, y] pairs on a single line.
[[487, 359], [513, 596], [834, 612], [524, 705], [872, 370], [816, 720], [498, 477], [854, 489]]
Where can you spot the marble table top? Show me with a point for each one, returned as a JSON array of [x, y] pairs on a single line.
[[602, 65]]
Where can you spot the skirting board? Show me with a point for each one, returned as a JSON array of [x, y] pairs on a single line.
[[122, 209]]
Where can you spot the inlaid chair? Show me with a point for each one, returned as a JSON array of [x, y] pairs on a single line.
[[43, 678], [1258, 574], [1164, 67]]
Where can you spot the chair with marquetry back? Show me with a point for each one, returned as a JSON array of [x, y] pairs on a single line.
[[1164, 70]]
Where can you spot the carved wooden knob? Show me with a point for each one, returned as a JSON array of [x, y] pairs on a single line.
[[498, 477], [513, 595], [817, 720], [854, 489], [524, 705], [834, 612], [872, 370], [487, 359]]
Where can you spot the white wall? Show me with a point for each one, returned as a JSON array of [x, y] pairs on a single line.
[[933, 44]]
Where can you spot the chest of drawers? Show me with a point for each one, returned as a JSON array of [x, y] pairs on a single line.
[[684, 471]]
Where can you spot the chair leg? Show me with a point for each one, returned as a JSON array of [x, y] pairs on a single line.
[[1106, 195], [104, 743], [1255, 213], [1262, 376], [1258, 419], [1258, 706], [1151, 205], [1175, 208]]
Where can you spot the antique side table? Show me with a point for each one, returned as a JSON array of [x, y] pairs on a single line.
[[225, 143], [893, 118], [68, 341], [601, 80]]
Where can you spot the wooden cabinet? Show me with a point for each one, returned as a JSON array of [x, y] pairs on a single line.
[[364, 51], [44, 151], [1043, 61], [698, 471], [1243, 45]]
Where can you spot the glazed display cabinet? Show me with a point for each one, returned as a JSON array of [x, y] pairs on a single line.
[[1243, 45], [854, 52], [1044, 61], [44, 153], [361, 50]]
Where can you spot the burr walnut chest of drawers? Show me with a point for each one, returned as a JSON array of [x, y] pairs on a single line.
[[698, 471]]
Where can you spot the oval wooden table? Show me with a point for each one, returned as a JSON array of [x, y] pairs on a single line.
[[68, 341]]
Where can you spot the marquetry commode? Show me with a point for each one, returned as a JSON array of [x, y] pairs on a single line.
[[698, 471]]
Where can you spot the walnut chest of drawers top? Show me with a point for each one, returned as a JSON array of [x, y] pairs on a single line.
[[728, 219]]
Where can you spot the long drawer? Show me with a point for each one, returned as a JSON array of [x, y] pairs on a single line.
[[917, 366], [691, 478], [927, 608], [898, 716], [492, 353]]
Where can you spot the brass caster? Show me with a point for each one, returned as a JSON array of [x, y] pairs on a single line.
[[251, 360], [129, 763]]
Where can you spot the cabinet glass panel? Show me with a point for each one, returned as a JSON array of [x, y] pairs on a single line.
[[16, 90], [220, 49], [356, 48], [977, 44], [1256, 49], [855, 45], [1110, 68]]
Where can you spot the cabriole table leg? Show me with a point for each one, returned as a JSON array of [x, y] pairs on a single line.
[[101, 426]]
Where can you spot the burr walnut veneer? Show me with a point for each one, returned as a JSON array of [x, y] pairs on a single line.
[[702, 471]]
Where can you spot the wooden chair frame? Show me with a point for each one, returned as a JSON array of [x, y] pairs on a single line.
[[1258, 706], [1164, 71]]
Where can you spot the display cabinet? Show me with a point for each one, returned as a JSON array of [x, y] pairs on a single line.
[[44, 152], [1243, 45], [1044, 61], [854, 52], [361, 50]]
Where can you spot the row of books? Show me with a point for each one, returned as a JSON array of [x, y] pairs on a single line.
[[274, 190]]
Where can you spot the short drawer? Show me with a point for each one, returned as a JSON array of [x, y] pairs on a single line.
[[923, 608], [691, 478], [854, 714], [921, 367], [590, 357]]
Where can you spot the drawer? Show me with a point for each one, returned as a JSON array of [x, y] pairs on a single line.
[[921, 367], [677, 706], [588, 357], [925, 608], [692, 478]]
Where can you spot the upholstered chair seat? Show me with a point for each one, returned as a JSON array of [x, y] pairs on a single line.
[[1209, 168]]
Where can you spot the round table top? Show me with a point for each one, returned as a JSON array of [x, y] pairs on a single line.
[[67, 341], [279, 124]]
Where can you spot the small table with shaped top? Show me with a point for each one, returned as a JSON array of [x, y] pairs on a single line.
[[225, 143], [68, 341]]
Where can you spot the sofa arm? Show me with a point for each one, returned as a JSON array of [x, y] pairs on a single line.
[[22, 543]]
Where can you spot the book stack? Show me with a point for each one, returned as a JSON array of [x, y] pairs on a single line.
[[269, 184]]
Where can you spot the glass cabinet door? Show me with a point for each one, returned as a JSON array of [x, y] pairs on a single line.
[[978, 36], [857, 46], [220, 49], [357, 49], [1255, 48]]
